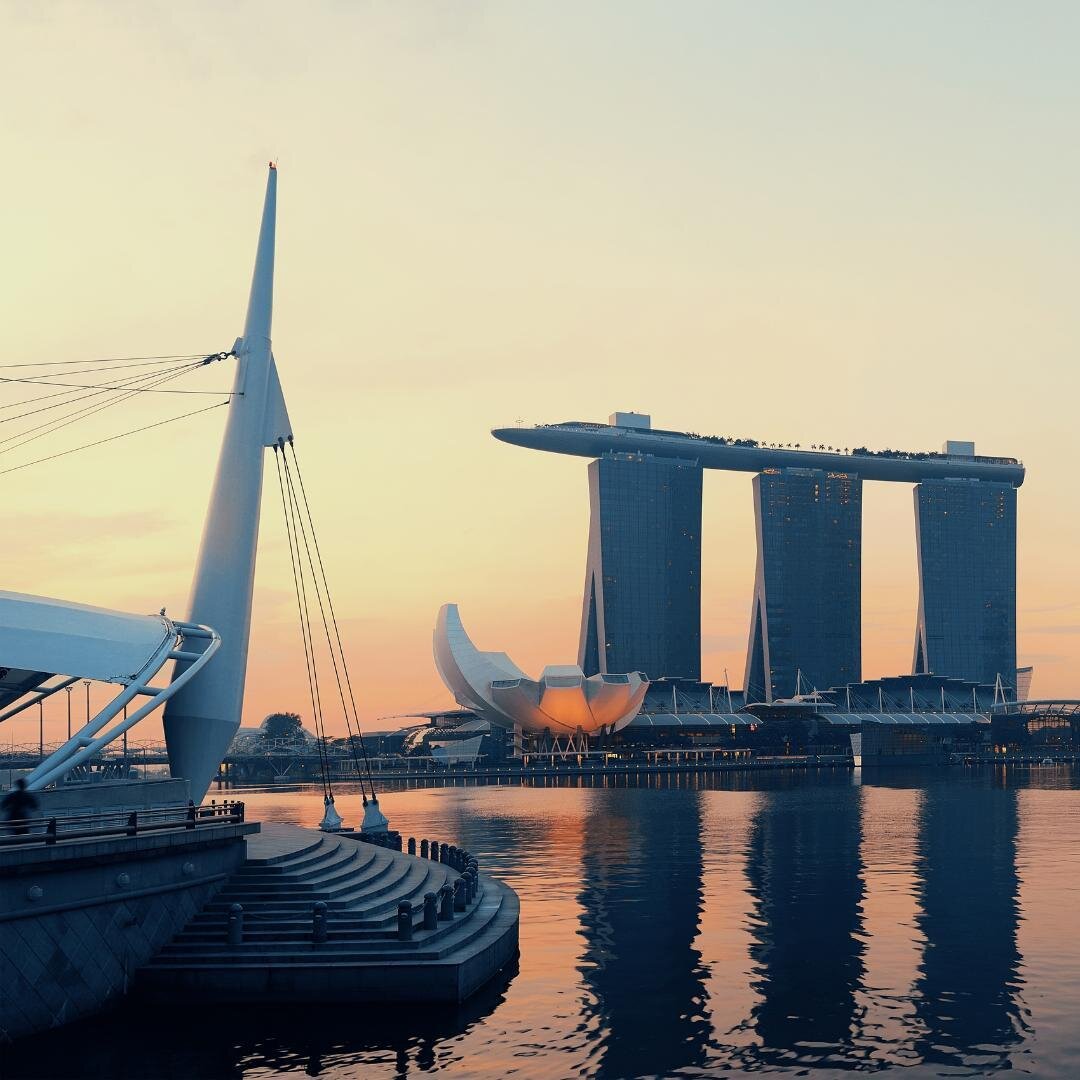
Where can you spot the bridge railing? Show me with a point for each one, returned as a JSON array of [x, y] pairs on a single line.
[[111, 823]]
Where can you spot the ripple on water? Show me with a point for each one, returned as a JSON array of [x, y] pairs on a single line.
[[792, 925]]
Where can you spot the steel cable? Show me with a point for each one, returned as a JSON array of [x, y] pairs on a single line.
[[337, 629]]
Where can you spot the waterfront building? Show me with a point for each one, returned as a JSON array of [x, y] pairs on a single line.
[[805, 621], [642, 603], [642, 599], [966, 537], [562, 701]]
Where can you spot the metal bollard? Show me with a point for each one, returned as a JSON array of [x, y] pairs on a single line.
[[431, 911], [412, 845], [404, 921], [459, 894], [447, 911], [434, 850], [444, 854], [319, 927], [451, 856], [236, 924], [423, 849], [474, 883]]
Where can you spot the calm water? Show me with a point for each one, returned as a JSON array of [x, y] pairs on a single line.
[[807, 925]]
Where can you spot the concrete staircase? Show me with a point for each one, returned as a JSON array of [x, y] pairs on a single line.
[[288, 870]]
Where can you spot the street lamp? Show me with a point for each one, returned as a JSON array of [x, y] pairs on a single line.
[[86, 683], [41, 730], [69, 689]]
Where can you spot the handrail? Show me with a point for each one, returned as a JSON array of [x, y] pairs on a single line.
[[50, 830]]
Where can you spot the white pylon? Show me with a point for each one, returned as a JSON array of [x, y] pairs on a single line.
[[201, 720]]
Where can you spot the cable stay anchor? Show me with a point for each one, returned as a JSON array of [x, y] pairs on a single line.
[[308, 567]]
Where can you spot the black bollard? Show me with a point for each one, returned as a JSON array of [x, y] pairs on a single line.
[[423, 849], [404, 921], [236, 924], [474, 884], [447, 911], [434, 850], [451, 856], [444, 854], [412, 845], [459, 894], [431, 911], [318, 922]]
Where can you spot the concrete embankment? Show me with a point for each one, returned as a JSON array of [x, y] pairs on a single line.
[[313, 917], [80, 915]]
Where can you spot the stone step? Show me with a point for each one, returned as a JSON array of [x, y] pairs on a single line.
[[329, 852], [276, 857], [369, 897], [354, 867], [362, 959], [345, 926], [428, 945]]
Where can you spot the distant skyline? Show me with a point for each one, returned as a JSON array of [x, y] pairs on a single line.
[[833, 223]]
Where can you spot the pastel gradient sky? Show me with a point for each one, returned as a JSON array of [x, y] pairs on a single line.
[[840, 222]]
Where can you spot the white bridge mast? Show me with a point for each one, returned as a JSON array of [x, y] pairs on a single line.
[[202, 718]]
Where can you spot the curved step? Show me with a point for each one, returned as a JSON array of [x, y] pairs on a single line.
[[448, 937]]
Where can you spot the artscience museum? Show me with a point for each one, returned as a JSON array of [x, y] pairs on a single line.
[[562, 701]]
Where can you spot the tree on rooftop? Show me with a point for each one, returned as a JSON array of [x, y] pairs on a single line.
[[282, 725]]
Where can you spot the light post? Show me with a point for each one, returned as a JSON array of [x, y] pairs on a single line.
[[41, 731], [86, 683], [69, 689]]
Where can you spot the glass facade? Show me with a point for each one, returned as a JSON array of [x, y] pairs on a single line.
[[807, 609], [966, 536], [642, 604]]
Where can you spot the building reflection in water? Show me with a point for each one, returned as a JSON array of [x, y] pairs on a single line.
[[641, 901], [804, 869], [968, 989]]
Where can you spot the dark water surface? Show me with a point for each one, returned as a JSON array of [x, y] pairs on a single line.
[[800, 925]]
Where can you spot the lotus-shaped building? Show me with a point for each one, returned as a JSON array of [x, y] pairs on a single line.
[[562, 701]]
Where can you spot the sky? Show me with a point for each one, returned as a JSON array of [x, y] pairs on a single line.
[[841, 222]]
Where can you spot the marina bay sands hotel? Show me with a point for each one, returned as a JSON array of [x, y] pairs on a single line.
[[642, 604]]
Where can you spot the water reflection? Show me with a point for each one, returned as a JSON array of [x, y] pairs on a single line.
[[967, 995], [641, 901], [804, 867], [720, 925]]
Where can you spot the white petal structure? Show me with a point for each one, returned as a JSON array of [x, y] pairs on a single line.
[[561, 701]]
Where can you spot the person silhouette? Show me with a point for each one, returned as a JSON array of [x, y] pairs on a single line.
[[17, 805]]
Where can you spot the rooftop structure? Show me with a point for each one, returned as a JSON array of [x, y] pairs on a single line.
[[584, 439], [562, 700]]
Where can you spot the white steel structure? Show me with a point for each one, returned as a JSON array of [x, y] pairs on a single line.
[[562, 701], [203, 717], [49, 645]]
